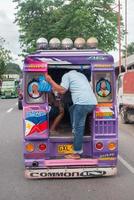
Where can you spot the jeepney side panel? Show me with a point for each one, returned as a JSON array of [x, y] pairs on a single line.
[[105, 125]]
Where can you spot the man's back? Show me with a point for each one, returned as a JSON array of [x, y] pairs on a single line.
[[79, 87]]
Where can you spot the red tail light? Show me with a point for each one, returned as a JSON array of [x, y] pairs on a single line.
[[99, 146], [42, 147]]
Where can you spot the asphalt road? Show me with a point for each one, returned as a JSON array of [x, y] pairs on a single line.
[[14, 186]]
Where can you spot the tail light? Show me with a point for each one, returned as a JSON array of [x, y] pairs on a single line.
[[112, 146], [99, 146], [42, 147], [29, 147]]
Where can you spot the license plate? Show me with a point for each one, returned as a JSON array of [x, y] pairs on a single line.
[[65, 148]]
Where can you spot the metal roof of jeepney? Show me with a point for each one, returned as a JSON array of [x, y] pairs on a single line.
[[73, 56], [75, 52]]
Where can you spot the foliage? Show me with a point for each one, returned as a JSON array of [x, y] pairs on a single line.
[[72, 18], [130, 50], [4, 57], [13, 68]]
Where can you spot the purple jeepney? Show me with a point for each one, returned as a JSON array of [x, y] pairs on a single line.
[[44, 153]]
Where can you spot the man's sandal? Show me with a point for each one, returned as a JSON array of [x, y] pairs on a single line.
[[72, 156]]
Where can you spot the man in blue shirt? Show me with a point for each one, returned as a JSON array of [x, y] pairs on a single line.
[[84, 101]]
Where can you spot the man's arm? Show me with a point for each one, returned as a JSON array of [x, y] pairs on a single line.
[[58, 88]]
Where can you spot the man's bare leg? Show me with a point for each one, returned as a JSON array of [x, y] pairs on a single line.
[[57, 120]]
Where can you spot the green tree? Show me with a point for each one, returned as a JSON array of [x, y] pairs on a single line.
[[72, 18], [130, 50], [4, 57], [13, 68]]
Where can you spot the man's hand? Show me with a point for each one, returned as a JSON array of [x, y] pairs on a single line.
[[54, 85], [48, 78]]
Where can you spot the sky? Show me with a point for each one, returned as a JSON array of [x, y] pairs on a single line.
[[9, 30]]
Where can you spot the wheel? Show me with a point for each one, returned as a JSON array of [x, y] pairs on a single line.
[[123, 113], [20, 105]]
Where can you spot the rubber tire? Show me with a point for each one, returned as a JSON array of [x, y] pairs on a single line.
[[20, 107], [123, 114]]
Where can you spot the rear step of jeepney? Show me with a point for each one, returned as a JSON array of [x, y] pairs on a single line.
[[71, 162]]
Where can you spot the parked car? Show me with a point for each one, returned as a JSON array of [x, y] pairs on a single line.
[[20, 94], [0, 85], [9, 89]]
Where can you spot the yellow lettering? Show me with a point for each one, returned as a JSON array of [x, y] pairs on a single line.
[[36, 66], [103, 65]]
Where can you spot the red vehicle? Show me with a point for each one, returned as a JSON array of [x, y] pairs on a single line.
[[126, 96]]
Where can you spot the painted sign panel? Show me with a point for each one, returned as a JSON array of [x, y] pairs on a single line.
[[35, 123]]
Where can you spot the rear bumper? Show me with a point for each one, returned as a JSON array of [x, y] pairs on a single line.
[[66, 172]]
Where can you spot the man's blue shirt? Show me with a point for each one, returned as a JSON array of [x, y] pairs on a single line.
[[79, 87]]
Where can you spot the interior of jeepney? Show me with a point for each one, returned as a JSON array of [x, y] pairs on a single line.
[[64, 126]]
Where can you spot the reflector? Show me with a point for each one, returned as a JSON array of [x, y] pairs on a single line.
[[42, 147], [29, 147], [112, 146], [99, 145]]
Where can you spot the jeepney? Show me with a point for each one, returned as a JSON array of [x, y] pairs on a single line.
[[44, 153]]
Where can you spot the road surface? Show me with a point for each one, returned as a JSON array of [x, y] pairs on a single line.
[[14, 186]]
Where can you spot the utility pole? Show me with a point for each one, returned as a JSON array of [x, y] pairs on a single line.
[[126, 32], [119, 33]]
